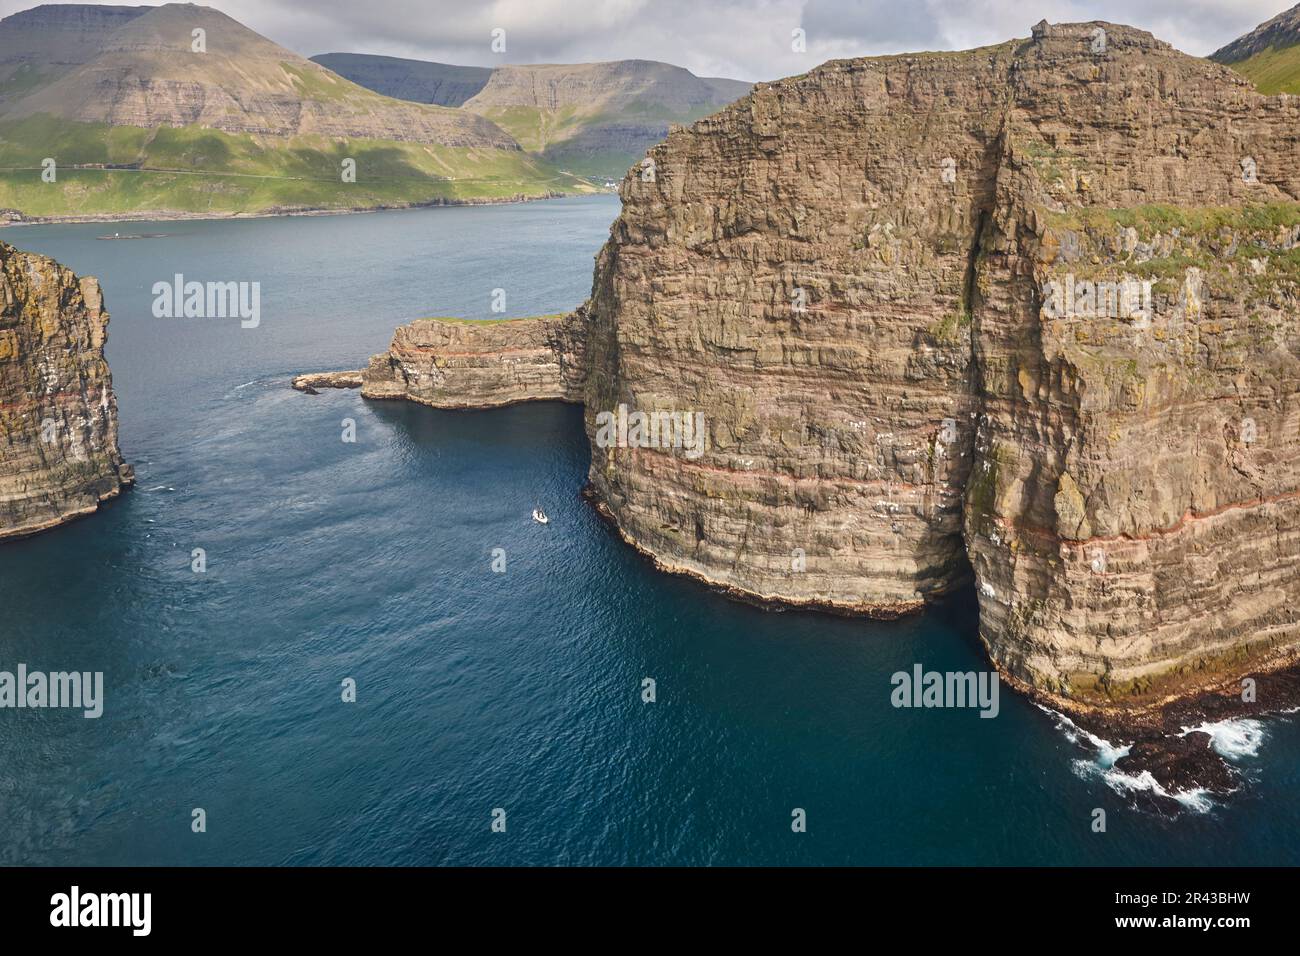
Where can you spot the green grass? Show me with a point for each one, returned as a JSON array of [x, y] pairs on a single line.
[[1190, 220], [457, 320], [1276, 70], [1201, 236], [200, 171], [22, 80], [950, 329], [314, 85]]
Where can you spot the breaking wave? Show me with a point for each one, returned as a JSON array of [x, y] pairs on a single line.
[[1232, 739], [1102, 765]]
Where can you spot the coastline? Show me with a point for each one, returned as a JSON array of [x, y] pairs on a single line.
[[125, 482], [280, 213], [1164, 760], [768, 602]]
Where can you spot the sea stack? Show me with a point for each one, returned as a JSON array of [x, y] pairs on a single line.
[[58, 417]]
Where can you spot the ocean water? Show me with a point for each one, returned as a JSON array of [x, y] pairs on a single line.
[[477, 690]]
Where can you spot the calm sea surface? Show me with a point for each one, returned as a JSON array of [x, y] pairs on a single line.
[[475, 690]]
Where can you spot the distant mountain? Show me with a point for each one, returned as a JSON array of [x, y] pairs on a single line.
[[47, 40], [420, 81], [596, 119], [143, 72], [1269, 54], [234, 124]]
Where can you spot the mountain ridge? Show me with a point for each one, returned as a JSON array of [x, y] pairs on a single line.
[[595, 118], [420, 81], [179, 110], [1269, 55]]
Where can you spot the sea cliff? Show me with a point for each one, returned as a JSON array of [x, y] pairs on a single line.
[[1024, 313], [59, 456]]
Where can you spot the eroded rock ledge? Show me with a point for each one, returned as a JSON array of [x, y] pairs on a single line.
[[458, 363], [852, 274], [58, 417]]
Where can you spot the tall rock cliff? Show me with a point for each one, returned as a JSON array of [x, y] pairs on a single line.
[[58, 418], [1028, 310]]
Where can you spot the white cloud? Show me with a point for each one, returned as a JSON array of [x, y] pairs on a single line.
[[746, 39]]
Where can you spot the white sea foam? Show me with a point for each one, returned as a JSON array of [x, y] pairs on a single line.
[[1102, 764], [1232, 739], [1107, 752], [1197, 799]]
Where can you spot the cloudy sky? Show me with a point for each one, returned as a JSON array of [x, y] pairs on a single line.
[[745, 39]]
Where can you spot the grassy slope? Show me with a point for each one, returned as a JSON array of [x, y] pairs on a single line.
[[202, 171], [1275, 70]]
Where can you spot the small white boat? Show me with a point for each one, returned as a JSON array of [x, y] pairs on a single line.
[[540, 516]]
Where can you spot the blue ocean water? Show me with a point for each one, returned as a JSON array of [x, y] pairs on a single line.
[[475, 690]]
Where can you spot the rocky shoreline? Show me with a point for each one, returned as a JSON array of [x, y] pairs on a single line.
[[768, 602], [894, 397], [312, 382], [13, 217], [1163, 739], [1159, 737]]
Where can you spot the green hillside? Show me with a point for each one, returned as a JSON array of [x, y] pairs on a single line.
[[198, 171], [1273, 70], [140, 125], [596, 143], [1269, 55]]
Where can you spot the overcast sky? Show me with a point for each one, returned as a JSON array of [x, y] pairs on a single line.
[[745, 39]]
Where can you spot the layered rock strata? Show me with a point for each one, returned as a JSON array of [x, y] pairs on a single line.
[[58, 417], [454, 363], [1027, 311]]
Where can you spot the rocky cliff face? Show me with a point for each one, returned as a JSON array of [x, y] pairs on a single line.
[[58, 418], [1027, 311], [452, 363], [52, 38]]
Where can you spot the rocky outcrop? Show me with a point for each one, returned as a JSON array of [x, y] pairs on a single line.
[[312, 382], [1026, 312], [453, 363], [58, 418], [1131, 514]]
